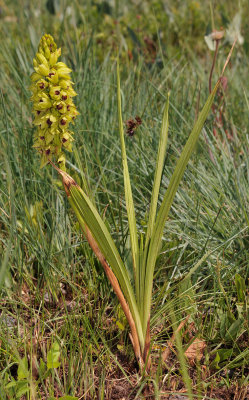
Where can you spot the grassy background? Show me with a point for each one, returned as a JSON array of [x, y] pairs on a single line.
[[52, 288]]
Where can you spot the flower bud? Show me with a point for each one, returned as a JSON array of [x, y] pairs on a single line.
[[54, 57], [41, 59], [42, 69], [34, 77]]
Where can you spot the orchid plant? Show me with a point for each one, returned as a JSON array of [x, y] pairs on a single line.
[[54, 110]]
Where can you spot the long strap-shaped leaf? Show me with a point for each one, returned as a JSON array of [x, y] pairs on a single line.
[[162, 216], [113, 281], [128, 193], [155, 192], [159, 169], [84, 207]]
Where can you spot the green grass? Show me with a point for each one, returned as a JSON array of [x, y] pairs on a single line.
[[52, 288]]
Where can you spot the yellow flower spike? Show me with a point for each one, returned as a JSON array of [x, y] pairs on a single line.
[[53, 107]]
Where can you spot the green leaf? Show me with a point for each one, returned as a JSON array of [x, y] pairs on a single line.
[[226, 320], [53, 356], [241, 309], [221, 356], [225, 354], [42, 367], [11, 384], [68, 398], [240, 287], [22, 388], [53, 364], [215, 362], [87, 214], [120, 325], [235, 329], [159, 169], [155, 192], [128, 193], [22, 371], [156, 238]]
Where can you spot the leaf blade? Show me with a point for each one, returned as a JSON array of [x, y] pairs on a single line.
[[128, 192], [162, 216], [87, 214], [159, 169], [162, 145]]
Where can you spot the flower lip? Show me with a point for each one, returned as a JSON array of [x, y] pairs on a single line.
[[63, 121]]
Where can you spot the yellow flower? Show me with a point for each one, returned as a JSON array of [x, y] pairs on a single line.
[[53, 107]]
